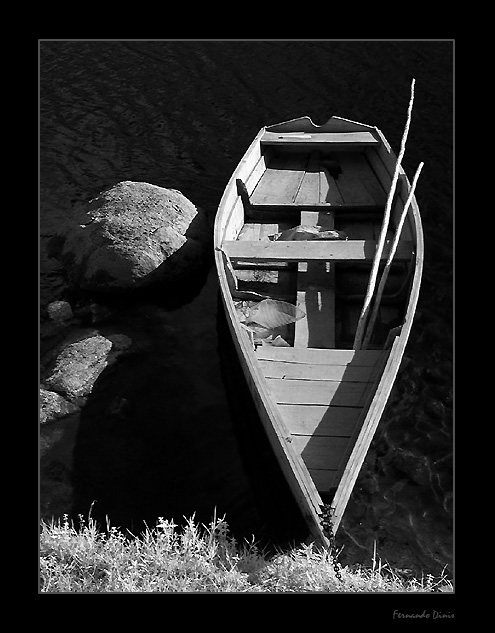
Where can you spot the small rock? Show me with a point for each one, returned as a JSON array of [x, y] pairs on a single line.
[[59, 311], [54, 406], [78, 366]]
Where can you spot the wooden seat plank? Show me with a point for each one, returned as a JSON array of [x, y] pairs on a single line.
[[336, 139], [250, 232], [330, 251], [266, 230]]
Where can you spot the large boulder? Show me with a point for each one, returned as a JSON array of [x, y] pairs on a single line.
[[134, 235]]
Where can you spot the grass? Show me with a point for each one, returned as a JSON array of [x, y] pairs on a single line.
[[198, 558]]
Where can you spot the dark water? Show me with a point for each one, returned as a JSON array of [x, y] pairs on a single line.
[[170, 430]]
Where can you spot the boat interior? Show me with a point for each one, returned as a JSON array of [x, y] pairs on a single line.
[[335, 190], [322, 387]]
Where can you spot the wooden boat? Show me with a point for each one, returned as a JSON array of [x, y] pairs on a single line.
[[319, 396]]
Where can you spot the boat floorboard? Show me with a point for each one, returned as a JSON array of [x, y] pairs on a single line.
[[316, 294], [303, 178], [281, 181], [320, 391], [356, 358], [320, 394]]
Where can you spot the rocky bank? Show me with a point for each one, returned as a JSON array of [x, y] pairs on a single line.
[[72, 358]]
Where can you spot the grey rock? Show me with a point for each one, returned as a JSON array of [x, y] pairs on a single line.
[[59, 311], [54, 406], [78, 366], [134, 235]]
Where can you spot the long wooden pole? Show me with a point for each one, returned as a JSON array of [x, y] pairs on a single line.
[[386, 270], [386, 218]]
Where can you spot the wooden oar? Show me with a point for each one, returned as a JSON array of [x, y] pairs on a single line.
[[386, 270], [386, 218]]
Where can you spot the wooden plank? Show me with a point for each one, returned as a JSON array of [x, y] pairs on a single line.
[[335, 139], [316, 298], [316, 294], [329, 191], [382, 172], [235, 222], [299, 251], [268, 229], [320, 420], [358, 358], [281, 180], [230, 216], [352, 189], [250, 232], [343, 394], [261, 231], [309, 191], [320, 452], [358, 183], [305, 371], [258, 170], [290, 210]]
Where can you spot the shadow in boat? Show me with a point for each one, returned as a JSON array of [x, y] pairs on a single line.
[[342, 394], [334, 422]]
